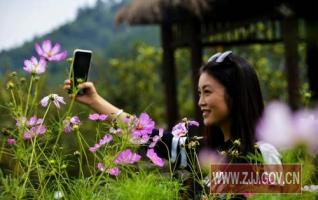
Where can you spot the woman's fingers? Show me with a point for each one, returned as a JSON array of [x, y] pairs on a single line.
[[85, 85]]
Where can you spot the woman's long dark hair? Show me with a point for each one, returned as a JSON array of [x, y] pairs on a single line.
[[244, 98]]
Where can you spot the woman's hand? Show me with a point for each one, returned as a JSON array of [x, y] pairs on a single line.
[[96, 102], [90, 97]]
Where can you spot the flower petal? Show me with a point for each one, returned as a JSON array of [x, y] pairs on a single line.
[[46, 46]]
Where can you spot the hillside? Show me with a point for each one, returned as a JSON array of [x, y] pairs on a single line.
[[93, 29]]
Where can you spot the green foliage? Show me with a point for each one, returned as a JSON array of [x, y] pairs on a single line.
[[153, 186]]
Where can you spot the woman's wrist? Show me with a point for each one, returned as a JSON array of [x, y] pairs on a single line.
[[96, 102]]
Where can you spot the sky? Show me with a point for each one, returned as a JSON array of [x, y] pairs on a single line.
[[22, 20]]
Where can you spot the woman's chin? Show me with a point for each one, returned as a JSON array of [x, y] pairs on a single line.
[[207, 122]]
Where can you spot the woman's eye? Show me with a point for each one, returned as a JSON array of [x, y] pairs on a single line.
[[207, 92]]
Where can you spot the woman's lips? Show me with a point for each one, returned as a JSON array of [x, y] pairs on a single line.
[[205, 113]]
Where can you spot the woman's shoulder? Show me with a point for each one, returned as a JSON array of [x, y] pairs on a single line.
[[269, 152]]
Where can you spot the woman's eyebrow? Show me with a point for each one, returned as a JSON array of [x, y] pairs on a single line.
[[206, 86]]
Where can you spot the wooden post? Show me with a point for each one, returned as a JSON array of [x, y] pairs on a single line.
[[290, 38], [196, 62], [169, 74], [311, 23]]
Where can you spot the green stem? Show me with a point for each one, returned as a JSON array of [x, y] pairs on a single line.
[[13, 98], [82, 149], [28, 96], [35, 97], [33, 149]]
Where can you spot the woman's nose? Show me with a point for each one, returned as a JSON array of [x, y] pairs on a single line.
[[201, 101]]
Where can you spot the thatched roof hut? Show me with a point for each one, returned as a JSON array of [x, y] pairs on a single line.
[[191, 23], [155, 11]]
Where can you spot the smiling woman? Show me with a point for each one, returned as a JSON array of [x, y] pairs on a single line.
[[231, 103]]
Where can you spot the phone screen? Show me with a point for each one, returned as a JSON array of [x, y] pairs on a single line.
[[81, 64]]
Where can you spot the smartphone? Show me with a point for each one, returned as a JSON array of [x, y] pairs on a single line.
[[80, 68]]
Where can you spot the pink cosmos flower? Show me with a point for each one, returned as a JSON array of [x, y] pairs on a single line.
[[181, 129], [34, 131], [33, 66], [283, 129], [151, 154], [94, 148], [97, 117], [208, 156], [100, 167], [306, 126], [276, 126], [69, 123], [11, 141], [52, 97], [156, 138], [50, 53], [115, 171], [106, 139], [127, 157], [33, 121], [142, 129], [34, 127]]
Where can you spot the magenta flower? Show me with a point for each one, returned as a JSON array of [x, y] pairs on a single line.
[[35, 121], [52, 97], [11, 141], [106, 139], [97, 117], [193, 123], [156, 138], [114, 171], [94, 148], [50, 53], [283, 129], [306, 126], [142, 129], [127, 157], [180, 130], [70, 122], [33, 66], [208, 156], [35, 127], [100, 167], [151, 154], [34, 131]]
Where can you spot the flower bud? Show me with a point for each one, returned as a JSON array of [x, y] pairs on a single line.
[[75, 127], [237, 143], [13, 74], [22, 80], [76, 153], [79, 80], [36, 78], [69, 60], [10, 85]]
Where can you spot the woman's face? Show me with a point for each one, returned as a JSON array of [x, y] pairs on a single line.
[[212, 101]]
